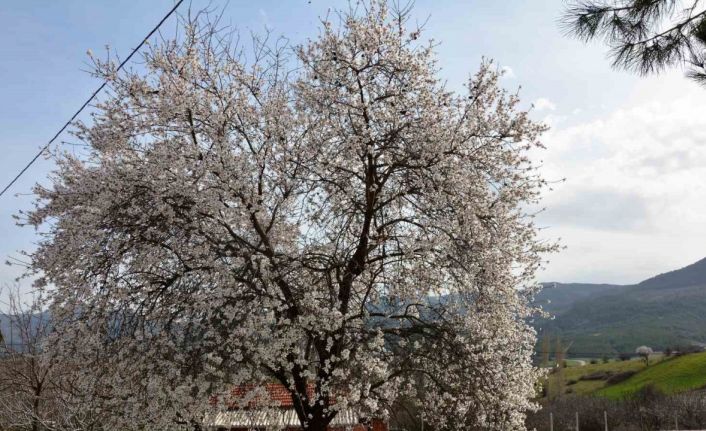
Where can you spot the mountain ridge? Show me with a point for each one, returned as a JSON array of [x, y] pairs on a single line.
[[665, 310]]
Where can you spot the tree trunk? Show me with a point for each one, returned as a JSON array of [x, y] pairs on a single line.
[[316, 424], [35, 410], [313, 418]]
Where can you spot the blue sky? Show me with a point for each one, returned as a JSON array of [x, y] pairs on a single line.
[[629, 147]]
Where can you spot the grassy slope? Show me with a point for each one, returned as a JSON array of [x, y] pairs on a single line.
[[585, 387], [674, 375]]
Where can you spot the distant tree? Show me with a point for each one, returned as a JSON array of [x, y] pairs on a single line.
[[645, 35], [668, 351], [624, 356], [644, 352], [605, 359]]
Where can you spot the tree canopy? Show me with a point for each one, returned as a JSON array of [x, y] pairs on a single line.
[[328, 214], [645, 35]]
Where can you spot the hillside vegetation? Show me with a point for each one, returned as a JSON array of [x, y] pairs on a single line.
[[587, 379], [674, 375], [604, 319], [623, 379]]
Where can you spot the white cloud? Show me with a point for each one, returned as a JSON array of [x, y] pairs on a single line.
[[507, 72], [634, 200], [543, 104], [599, 208]]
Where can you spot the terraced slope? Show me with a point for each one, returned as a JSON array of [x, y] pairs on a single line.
[[673, 375]]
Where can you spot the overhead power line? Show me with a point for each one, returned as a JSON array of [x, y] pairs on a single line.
[[95, 93]]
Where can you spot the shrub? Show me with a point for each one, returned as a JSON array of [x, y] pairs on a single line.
[[598, 375], [649, 394], [619, 377]]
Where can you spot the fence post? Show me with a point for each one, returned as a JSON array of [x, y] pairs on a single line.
[[605, 419], [551, 421], [676, 422], [577, 421]]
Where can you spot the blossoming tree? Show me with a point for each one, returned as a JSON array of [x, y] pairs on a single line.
[[329, 215], [644, 352]]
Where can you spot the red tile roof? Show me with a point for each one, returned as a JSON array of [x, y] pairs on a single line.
[[273, 407], [277, 395]]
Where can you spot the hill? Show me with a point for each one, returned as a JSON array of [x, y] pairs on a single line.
[[666, 310], [622, 379], [557, 298], [679, 374], [587, 379]]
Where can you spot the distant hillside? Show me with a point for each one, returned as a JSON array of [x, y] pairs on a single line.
[[5, 326], [666, 310], [590, 378], [621, 379], [11, 333], [692, 275], [557, 298], [670, 376]]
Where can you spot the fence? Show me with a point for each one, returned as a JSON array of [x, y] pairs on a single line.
[[644, 412], [577, 426]]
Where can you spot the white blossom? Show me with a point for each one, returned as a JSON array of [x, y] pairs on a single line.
[[334, 217]]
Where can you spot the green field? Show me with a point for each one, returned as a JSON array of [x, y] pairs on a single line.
[[668, 375], [674, 375], [569, 379]]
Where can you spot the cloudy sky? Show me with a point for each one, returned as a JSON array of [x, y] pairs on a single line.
[[632, 149]]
